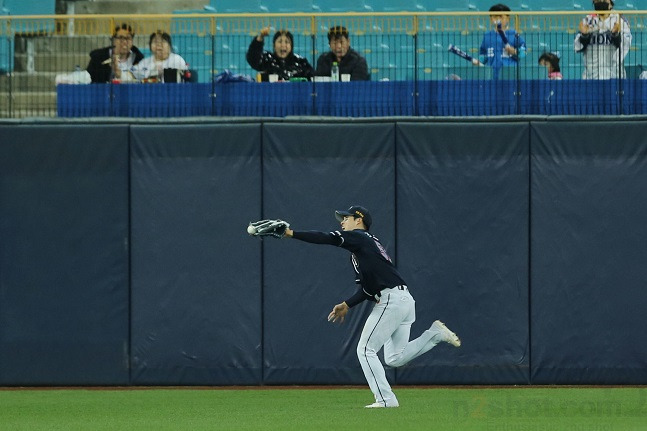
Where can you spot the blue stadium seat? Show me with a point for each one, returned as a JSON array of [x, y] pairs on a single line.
[[30, 7], [628, 4], [395, 5], [196, 51], [237, 6], [543, 5], [448, 5], [341, 6], [287, 6], [6, 46]]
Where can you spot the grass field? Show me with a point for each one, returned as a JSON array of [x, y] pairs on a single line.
[[459, 408]]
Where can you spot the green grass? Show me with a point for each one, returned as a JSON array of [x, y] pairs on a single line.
[[464, 409]]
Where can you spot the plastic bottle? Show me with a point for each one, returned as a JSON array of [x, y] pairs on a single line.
[[334, 72]]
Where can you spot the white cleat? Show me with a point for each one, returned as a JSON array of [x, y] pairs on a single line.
[[381, 405], [446, 335]]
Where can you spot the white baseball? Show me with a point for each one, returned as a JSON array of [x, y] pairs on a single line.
[[251, 230]]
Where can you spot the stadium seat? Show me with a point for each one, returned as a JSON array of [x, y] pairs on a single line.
[[30, 7], [237, 6], [6, 46], [630, 5], [542, 5], [341, 6], [287, 6], [448, 5], [395, 5]]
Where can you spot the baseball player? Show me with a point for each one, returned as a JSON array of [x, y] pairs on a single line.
[[379, 281], [604, 39]]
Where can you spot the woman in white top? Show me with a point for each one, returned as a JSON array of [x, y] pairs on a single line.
[[162, 58]]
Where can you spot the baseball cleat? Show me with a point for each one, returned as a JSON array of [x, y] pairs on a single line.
[[446, 335], [381, 405]]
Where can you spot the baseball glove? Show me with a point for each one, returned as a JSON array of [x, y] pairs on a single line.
[[275, 228]]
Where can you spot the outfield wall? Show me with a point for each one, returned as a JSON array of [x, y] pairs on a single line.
[[124, 258]]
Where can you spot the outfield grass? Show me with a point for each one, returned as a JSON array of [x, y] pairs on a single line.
[[496, 409]]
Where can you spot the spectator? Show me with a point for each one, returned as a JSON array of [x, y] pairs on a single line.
[[551, 62], [604, 39], [501, 46], [282, 61], [117, 60], [349, 61], [164, 65]]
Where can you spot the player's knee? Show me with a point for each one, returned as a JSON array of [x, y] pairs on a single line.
[[393, 361], [364, 351]]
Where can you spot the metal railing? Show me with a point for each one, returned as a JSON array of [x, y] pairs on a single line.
[[400, 47]]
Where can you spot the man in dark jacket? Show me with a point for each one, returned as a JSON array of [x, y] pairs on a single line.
[[115, 62], [349, 61]]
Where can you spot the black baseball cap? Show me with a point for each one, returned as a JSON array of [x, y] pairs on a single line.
[[355, 211]]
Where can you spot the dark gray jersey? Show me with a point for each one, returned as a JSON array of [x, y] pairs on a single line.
[[374, 269]]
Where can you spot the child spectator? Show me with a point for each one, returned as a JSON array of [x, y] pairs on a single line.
[[501, 46], [551, 62]]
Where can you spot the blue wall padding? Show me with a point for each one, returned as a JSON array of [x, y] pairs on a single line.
[[124, 257], [462, 230], [309, 171], [64, 255], [588, 253], [196, 275]]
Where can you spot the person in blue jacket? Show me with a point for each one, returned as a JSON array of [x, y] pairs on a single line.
[[501, 46]]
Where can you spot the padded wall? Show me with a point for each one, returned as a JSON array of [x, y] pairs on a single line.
[[309, 171], [64, 255], [526, 238], [196, 280], [588, 295], [462, 194]]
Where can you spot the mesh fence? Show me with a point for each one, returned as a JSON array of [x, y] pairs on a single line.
[[412, 70]]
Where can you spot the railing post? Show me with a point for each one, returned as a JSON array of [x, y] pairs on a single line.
[[416, 95]]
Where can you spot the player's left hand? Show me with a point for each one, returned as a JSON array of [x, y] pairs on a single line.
[[338, 313]]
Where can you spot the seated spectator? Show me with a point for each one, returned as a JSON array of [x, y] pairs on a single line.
[[551, 62], [349, 61], [282, 61], [604, 40], [501, 46], [164, 65], [115, 61]]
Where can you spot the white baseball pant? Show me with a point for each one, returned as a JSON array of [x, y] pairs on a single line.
[[389, 325]]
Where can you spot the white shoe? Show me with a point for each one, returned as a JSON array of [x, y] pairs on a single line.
[[381, 405], [446, 335]]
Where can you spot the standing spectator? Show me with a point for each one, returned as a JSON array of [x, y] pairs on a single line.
[[349, 61], [116, 60], [551, 62], [282, 61], [501, 46], [163, 59], [604, 39]]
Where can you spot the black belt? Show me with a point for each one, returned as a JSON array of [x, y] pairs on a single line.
[[399, 287]]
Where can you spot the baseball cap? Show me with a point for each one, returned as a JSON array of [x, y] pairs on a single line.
[[355, 211]]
